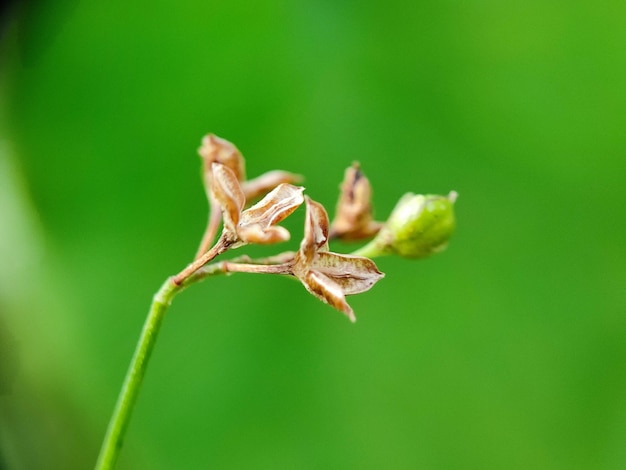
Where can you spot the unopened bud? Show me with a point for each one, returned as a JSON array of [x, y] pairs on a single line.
[[419, 226]]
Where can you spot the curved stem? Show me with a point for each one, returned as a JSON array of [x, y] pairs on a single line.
[[130, 389], [120, 418]]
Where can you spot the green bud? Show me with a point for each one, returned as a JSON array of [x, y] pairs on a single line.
[[419, 226]]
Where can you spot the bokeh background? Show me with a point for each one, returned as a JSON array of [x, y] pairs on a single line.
[[508, 351]]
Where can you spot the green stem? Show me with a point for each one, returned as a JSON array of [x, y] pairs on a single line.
[[128, 395], [196, 271], [371, 250], [120, 418]]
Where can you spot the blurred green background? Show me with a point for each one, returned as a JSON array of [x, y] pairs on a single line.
[[508, 351]]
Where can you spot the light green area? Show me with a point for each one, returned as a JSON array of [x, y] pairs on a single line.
[[419, 226], [506, 351]]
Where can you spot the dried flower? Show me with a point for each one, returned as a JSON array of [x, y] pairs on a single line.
[[217, 150], [262, 184], [353, 219], [256, 224], [330, 276]]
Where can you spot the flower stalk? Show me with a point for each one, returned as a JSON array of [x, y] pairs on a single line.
[[419, 226]]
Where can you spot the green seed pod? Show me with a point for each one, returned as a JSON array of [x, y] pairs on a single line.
[[419, 226]]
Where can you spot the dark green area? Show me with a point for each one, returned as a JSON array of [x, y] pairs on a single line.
[[507, 351]]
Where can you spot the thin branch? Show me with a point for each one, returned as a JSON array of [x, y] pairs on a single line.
[[220, 247], [213, 225]]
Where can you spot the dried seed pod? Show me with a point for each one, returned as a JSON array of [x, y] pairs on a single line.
[[258, 223], [262, 184], [217, 150], [353, 219], [330, 276], [226, 191]]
